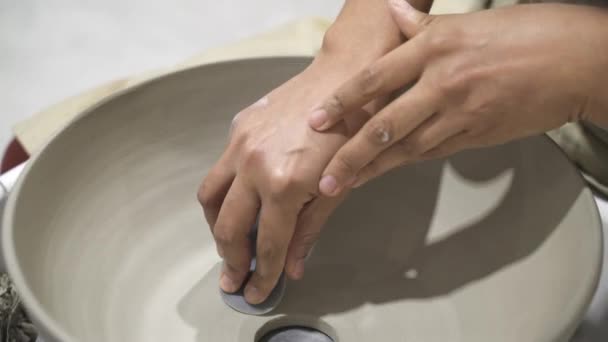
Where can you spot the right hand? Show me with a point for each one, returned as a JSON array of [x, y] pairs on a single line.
[[471, 86]]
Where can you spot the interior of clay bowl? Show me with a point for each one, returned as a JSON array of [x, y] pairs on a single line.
[[107, 242]]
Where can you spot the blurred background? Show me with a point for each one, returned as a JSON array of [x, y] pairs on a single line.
[[52, 49]]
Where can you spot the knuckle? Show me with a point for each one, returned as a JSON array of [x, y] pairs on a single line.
[[238, 134], [238, 269], [282, 185], [442, 39], [437, 43], [379, 131], [235, 121], [204, 195], [454, 79], [234, 132], [306, 238], [268, 250], [252, 154], [236, 141], [409, 146], [306, 246], [345, 164], [370, 81], [225, 236], [428, 20], [477, 105], [335, 103], [471, 108]]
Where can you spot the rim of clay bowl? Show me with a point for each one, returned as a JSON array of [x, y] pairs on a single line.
[[577, 317], [40, 315], [34, 308]]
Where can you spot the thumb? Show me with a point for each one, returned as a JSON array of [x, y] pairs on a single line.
[[410, 20]]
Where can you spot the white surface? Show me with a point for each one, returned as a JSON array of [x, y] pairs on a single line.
[[51, 49], [595, 326], [8, 180]]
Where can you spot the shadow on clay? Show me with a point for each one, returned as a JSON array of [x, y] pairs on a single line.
[[380, 232]]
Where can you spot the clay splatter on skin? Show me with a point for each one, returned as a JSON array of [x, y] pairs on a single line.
[[385, 137]]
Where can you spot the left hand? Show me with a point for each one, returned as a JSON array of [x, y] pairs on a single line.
[[476, 79], [270, 167]]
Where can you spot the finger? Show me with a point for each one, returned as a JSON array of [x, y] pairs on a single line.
[[235, 220], [434, 132], [398, 68], [213, 190], [308, 229], [389, 126], [410, 20], [452, 145], [277, 224]]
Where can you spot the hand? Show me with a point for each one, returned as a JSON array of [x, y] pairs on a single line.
[[272, 164], [274, 160], [476, 80]]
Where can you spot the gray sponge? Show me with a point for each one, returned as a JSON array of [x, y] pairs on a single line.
[[237, 300]]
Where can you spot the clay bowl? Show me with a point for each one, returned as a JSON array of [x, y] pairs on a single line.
[[106, 241]]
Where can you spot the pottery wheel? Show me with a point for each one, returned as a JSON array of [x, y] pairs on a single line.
[[459, 250]]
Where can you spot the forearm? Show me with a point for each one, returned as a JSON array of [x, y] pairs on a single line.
[[364, 30], [594, 63]]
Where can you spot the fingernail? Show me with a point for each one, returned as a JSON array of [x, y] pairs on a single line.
[[253, 295], [328, 185], [299, 269], [318, 118], [228, 285]]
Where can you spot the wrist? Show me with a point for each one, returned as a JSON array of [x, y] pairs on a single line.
[[363, 32], [594, 95], [344, 41], [350, 52]]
